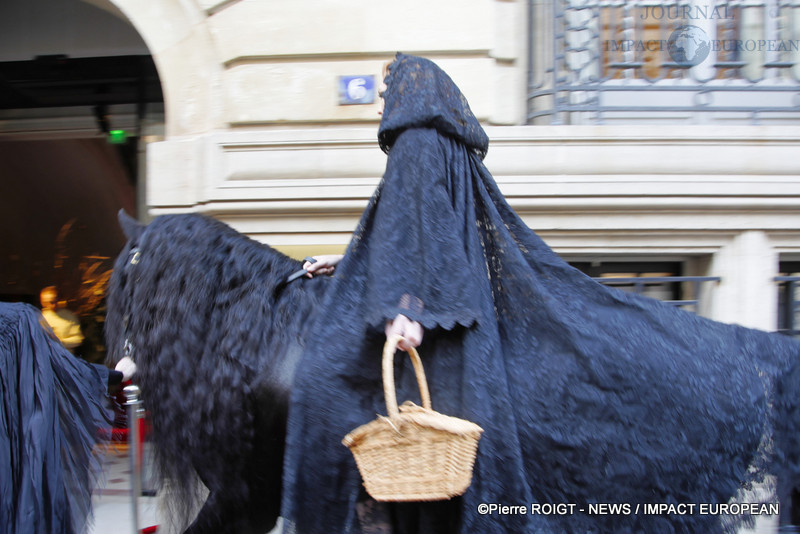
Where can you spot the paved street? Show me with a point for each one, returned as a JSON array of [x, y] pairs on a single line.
[[112, 499], [113, 508]]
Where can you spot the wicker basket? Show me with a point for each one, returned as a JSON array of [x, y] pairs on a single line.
[[414, 454]]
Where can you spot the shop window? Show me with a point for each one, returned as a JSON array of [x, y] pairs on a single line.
[[789, 298], [660, 280]]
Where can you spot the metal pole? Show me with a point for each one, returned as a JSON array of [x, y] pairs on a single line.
[[135, 412]]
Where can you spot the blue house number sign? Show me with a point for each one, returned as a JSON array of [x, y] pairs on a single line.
[[356, 90]]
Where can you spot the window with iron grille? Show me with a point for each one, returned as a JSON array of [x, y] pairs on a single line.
[[662, 280], [789, 298], [596, 61]]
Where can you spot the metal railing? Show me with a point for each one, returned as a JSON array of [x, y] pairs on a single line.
[[135, 414], [789, 305], [788, 301], [639, 285], [596, 61]]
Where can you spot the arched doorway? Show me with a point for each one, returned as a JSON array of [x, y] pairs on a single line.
[[78, 92]]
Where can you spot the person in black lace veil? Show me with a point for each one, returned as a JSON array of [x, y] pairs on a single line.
[[53, 406], [586, 394]]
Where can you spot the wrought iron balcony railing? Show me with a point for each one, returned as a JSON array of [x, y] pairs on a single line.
[[690, 295], [789, 305], [605, 61]]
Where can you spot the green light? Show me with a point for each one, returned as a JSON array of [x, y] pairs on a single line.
[[117, 137]]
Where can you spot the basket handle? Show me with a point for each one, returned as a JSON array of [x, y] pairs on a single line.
[[389, 391]]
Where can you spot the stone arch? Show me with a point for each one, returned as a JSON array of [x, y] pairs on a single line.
[[180, 42]]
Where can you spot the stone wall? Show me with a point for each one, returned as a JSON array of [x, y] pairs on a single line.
[[255, 136]]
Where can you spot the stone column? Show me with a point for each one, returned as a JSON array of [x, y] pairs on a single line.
[[747, 294]]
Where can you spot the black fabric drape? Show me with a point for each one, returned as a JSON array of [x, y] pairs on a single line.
[[586, 394], [53, 405]]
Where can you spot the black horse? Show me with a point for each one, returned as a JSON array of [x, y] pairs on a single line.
[[216, 332]]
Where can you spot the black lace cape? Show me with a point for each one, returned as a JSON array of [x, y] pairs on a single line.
[[53, 405], [587, 394]]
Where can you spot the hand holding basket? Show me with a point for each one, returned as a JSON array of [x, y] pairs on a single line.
[[414, 454]]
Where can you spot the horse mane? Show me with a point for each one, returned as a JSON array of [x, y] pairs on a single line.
[[213, 333]]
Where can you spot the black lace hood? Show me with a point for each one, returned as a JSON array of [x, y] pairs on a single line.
[[420, 94]]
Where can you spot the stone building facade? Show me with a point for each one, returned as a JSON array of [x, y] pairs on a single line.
[[254, 133]]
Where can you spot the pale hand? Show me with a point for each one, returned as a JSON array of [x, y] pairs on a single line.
[[410, 330], [126, 367], [325, 264]]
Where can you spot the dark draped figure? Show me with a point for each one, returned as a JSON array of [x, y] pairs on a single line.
[[53, 407], [586, 394], [215, 334]]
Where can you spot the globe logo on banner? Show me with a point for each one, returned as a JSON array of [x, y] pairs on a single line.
[[689, 45]]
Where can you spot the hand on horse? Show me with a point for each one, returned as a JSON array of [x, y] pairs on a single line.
[[411, 331], [127, 367], [325, 264]]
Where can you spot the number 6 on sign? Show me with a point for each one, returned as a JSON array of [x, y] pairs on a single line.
[[356, 90]]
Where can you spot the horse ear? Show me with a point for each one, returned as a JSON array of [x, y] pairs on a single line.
[[130, 226]]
